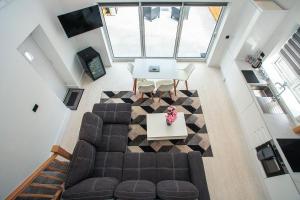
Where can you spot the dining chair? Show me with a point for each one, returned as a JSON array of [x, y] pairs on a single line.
[[146, 86], [130, 68], [164, 86], [184, 74]]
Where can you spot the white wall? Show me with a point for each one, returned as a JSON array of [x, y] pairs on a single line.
[[26, 137], [94, 38], [43, 66], [229, 26], [284, 31]]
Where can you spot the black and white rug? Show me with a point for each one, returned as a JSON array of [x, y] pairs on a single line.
[[186, 101]]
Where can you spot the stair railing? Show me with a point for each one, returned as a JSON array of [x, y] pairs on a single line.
[[28, 182]]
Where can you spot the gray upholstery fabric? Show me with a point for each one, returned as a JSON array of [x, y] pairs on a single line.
[[91, 128], [108, 164], [82, 163], [92, 189], [176, 190], [136, 189], [172, 166], [197, 174], [113, 113], [139, 166], [114, 138]]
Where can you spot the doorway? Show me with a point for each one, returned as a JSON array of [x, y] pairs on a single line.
[[184, 31], [41, 63]]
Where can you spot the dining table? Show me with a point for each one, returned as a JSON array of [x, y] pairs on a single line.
[[165, 70]]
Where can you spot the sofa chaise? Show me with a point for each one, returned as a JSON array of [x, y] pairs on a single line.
[[101, 168]]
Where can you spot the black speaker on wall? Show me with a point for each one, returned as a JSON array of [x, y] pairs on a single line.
[[91, 63]]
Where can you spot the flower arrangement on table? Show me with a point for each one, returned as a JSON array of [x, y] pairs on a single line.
[[171, 115]]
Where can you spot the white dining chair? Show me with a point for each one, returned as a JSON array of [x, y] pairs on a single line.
[[146, 86], [184, 74], [164, 86], [130, 68]]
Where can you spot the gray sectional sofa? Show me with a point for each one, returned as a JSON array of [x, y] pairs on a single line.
[[102, 169]]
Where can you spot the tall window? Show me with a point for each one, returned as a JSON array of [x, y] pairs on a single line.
[[160, 30], [286, 69], [288, 64], [122, 24]]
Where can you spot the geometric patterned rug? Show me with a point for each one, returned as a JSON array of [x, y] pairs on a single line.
[[186, 101]]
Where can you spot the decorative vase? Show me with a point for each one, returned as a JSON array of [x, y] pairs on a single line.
[[171, 115]]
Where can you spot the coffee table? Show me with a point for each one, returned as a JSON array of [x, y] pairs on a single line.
[[157, 128]]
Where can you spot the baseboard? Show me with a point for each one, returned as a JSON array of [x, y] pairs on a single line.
[[63, 126]]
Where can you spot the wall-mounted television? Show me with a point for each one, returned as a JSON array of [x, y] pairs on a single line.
[[81, 21]]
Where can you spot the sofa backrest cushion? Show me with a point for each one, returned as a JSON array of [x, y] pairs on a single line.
[[114, 138], [113, 113], [91, 128], [108, 164], [82, 163], [139, 166], [172, 166]]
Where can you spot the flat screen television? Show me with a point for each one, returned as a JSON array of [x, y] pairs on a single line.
[[81, 21]]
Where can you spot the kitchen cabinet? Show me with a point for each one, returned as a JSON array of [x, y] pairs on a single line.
[[254, 126], [281, 187], [236, 85]]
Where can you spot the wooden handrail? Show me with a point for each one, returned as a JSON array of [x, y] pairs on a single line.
[[57, 151], [30, 178], [61, 151]]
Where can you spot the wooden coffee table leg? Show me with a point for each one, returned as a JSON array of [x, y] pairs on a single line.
[[174, 87], [134, 86]]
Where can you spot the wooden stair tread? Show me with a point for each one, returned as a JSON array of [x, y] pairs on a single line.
[[51, 177], [46, 186], [64, 163], [32, 195], [50, 168]]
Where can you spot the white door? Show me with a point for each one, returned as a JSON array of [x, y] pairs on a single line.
[[43, 66]]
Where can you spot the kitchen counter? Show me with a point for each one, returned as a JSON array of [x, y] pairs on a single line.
[[279, 125]]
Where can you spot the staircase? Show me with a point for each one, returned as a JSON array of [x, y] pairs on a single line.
[[47, 182]]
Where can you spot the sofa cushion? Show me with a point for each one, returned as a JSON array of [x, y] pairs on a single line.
[[114, 138], [136, 189], [82, 163], [91, 128], [139, 166], [92, 189], [172, 166], [108, 164], [173, 190], [114, 113]]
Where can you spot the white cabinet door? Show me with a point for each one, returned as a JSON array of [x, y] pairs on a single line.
[[254, 126], [282, 187], [236, 84]]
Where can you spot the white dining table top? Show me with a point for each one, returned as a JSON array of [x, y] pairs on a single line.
[[167, 68]]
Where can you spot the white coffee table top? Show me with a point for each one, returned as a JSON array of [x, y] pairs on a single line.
[[157, 128]]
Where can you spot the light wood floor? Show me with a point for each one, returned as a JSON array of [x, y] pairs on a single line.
[[229, 173]]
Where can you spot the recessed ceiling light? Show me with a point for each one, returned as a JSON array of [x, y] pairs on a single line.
[[29, 56]]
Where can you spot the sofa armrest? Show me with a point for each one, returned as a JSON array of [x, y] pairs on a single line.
[[113, 113], [82, 163], [197, 174]]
